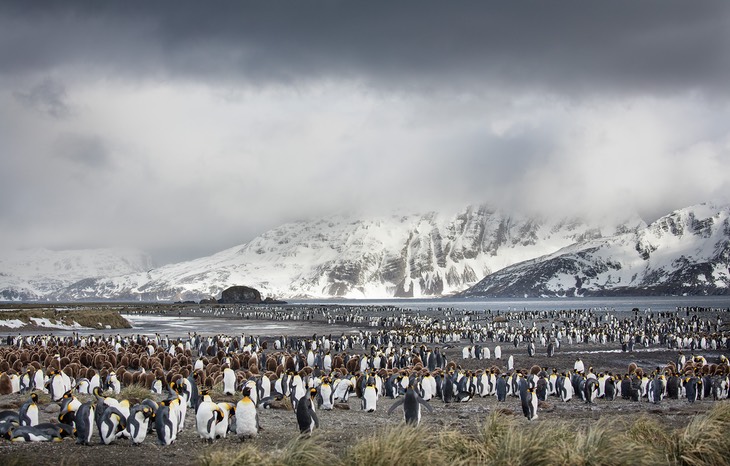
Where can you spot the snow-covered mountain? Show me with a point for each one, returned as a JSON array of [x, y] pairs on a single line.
[[685, 252], [430, 254], [34, 274]]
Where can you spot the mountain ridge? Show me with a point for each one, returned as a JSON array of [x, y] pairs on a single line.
[[684, 252], [428, 254]]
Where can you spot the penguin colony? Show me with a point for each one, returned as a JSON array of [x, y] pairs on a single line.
[[402, 360]]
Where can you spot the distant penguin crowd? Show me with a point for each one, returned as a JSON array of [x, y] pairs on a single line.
[[401, 357]]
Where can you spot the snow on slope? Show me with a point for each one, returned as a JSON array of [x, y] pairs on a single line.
[[416, 255], [36, 273], [685, 252]]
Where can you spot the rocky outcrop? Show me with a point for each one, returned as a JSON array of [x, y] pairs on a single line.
[[240, 295]]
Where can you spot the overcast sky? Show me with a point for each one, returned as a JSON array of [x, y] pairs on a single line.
[[183, 128]]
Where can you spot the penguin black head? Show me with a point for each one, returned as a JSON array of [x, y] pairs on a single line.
[[34, 397], [246, 391]]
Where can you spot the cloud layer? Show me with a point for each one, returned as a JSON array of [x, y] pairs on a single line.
[[183, 128]]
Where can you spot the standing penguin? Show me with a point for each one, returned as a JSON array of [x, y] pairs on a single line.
[[229, 381], [449, 389], [206, 418], [502, 388], [579, 367], [529, 404], [564, 387], [693, 385], [247, 419], [28, 413], [369, 396], [550, 349], [325, 395], [411, 406], [306, 416], [610, 388], [166, 423], [84, 421], [590, 390], [658, 387]]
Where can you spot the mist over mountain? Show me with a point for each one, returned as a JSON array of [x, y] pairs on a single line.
[[479, 251]]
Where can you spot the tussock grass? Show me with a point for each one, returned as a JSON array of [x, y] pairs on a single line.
[[398, 444], [248, 454], [299, 451], [302, 450], [705, 440], [510, 440], [91, 318], [135, 391]]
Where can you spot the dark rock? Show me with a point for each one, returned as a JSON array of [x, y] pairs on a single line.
[[240, 295]]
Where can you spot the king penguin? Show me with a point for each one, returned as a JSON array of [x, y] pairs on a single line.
[[28, 413], [369, 396], [111, 423], [247, 419], [166, 423], [207, 417], [502, 388], [529, 404], [411, 406], [229, 381], [325, 395], [306, 416], [138, 423], [84, 421]]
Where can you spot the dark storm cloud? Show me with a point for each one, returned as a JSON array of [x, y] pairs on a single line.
[[567, 47], [187, 127]]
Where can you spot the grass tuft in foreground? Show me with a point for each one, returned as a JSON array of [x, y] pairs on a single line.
[[509, 440]]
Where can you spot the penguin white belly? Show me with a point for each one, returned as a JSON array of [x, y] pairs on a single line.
[[221, 428], [246, 424], [326, 391], [370, 399], [229, 382], [205, 420]]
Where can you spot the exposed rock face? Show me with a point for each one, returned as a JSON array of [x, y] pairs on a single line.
[[685, 252], [399, 255], [240, 295]]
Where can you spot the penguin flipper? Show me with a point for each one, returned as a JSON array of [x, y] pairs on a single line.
[[426, 404], [314, 416], [397, 403]]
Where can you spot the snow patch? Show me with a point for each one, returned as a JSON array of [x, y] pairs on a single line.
[[46, 323], [13, 323]]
